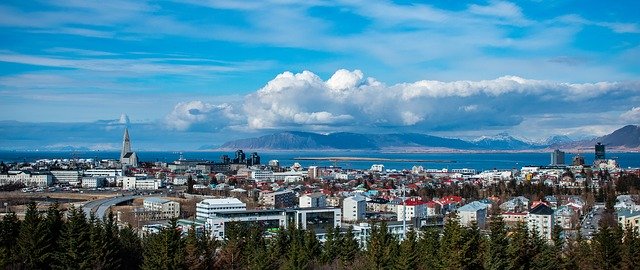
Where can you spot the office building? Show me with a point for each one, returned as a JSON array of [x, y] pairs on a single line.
[[278, 199], [93, 182], [209, 208], [66, 177], [313, 200], [473, 213], [600, 151], [541, 220], [162, 208], [354, 208], [557, 157]]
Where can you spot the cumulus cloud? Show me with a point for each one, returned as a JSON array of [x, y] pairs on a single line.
[[632, 116], [185, 115], [349, 100]]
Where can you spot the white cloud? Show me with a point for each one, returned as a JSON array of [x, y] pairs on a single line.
[[349, 100], [631, 116], [187, 114]]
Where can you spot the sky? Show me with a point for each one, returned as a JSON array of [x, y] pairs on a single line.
[[185, 74]]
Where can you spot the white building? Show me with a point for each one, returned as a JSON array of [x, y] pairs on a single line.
[[415, 208], [262, 175], [474, 212], [165, 209], [354, 208], [377, 168], [628, 217], [143, 184], [313, 200], [93, 182], [210, 207], [541, 219], [66, 177], [28, 179]]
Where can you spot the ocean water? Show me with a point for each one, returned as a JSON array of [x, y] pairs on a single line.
[[478, 161]]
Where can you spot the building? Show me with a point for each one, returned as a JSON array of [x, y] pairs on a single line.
[[354, 208], [377, 168], [541, 220], [566, 217], [143, 184], [600, 151], [66, 177], [93, 182], [163, 208], [314, 219], [557, 157], [415, 208], [208, 208], [627, 217], [261, 175], [26, 178], [578, 160], [278, 199], [313, 172], [474, 212], [127, 157], [313, 200]]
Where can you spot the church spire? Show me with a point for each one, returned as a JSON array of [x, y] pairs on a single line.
[[126, 143]]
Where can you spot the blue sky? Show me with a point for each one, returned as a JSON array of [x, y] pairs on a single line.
[[191, 73]]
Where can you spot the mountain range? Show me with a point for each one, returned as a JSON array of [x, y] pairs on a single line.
[[625, 138]]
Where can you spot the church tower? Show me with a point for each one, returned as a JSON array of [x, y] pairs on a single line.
[[127, 157], [126, 144]]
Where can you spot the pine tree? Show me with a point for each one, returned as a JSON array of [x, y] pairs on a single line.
[[231, 253], [164, 250], [518, 248], [408, 257], [331, 245], [312, 247], [472, 248], [109, 245], [193, 256], [130, 249], [583, 253], [32, 240], [630, 249], [450, 244], [429, 245], [606, 247], [496, 256], [9, 230], [297, 257], [75, 246], [380, 247], [349, 248], [53, 226]]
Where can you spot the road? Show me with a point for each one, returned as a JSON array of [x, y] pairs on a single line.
[[101, 206], [591, 219]]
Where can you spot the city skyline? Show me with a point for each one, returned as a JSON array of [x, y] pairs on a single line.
[[79, 71]]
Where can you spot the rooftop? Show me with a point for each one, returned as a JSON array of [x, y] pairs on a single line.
[[541, 209]]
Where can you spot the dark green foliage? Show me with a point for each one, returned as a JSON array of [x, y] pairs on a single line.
[[630, 249], [408, 257], [130, 249], [32, 241], [496, 255], [164, 250], [75, 245], [381, 247], [349, 248], [607, 247], [9, 230], [429, 245], [451, 242]]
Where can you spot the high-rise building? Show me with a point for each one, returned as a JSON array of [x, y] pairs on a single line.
[[557, 157], [600, 151], [240, 157], [254, 159]]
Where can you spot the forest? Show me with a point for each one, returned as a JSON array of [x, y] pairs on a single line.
[[58, 239]]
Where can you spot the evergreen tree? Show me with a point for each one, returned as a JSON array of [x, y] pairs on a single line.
[[53, 226], [9, 230], [331, 246], [32, 241], [108, 246], [408, 257], [164, 250], [193, 256], [75, 247], [130, 249], [256, 250], [312, 247], [584, 253], [429, 247], [518, 248], [380, 247], [450, 244], [297, 257], [231, 253], [607, 247], [630, 249], [496, 256], [349, 248], [472, 253]]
